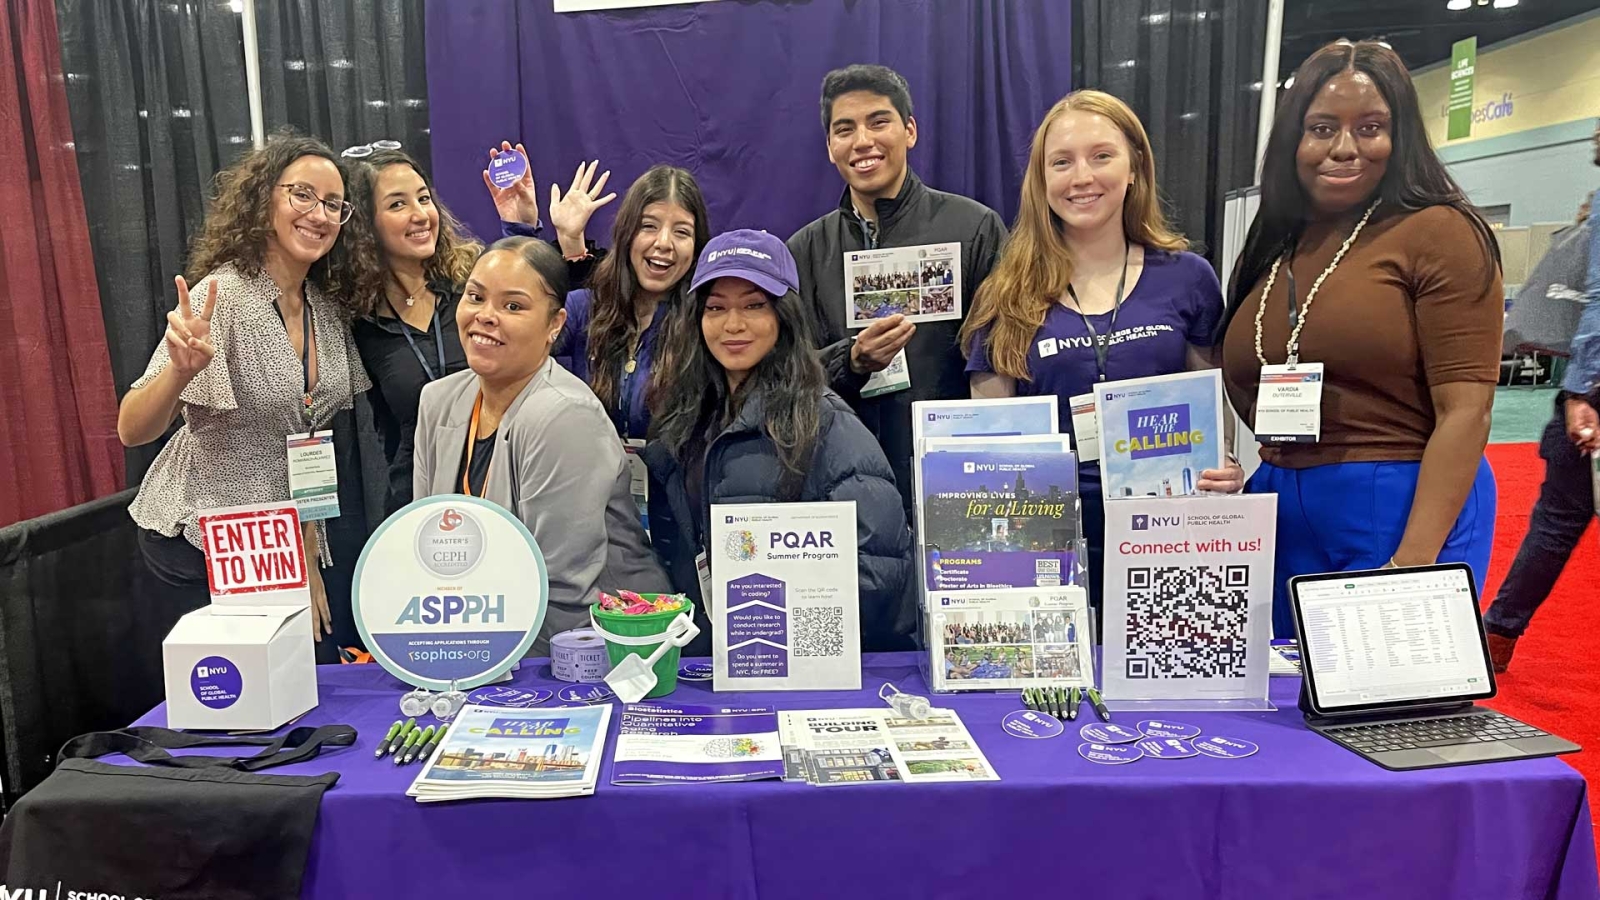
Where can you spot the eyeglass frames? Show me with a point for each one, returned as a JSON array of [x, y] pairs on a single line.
[[303, 200]]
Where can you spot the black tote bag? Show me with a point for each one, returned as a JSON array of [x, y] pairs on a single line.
[[182, 827]]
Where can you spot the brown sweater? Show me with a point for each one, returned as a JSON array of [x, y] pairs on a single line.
[[1417, 302]]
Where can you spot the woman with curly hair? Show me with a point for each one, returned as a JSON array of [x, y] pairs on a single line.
[[255, 353], [398, 277]]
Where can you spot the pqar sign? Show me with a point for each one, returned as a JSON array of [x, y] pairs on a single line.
[[252, 551]]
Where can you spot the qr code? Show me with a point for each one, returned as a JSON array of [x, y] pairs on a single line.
[[817, 631], [1188, 621]]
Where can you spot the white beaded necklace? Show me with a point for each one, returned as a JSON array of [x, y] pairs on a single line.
[[1292, 348]]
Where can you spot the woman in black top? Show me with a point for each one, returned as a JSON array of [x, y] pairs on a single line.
[[406, 259]]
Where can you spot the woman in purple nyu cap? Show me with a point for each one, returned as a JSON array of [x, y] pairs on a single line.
[[750, 419]]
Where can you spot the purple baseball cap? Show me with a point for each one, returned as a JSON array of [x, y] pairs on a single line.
[[755, 256]]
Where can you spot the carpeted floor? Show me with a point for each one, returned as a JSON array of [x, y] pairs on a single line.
[[1554, 681]]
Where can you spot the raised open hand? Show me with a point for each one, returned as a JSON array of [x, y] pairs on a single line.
[[570, 214], [189, 334], [519, 202]]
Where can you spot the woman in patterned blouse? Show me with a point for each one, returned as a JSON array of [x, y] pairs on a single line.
[[252, 354]]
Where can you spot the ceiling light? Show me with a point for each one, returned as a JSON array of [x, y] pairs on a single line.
[[1505, 4], [1458, 5]]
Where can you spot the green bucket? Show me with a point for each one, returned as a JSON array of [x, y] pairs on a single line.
[[645, 625]]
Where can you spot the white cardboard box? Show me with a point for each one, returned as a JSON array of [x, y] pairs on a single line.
[[227, 671]]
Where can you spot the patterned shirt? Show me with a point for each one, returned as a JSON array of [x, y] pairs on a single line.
[[240, 407]]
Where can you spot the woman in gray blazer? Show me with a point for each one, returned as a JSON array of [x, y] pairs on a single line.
[[521, 431]]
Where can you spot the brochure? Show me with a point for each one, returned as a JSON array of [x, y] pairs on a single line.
[[937, 748], [857, 746], [1009, 639], [981, 418], [659, 744], [1158, 434], [998, 519], [516, 753], [836, 746], [922, 283]]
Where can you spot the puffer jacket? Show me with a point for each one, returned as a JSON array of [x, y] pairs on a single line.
[[742, 466]]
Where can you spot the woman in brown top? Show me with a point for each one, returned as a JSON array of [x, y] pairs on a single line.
[[1381, 277]]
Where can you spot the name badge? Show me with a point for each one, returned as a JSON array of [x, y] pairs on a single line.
[[1086, 426], [313, 475], [638, 479], [702, 569], [1289, 404], [894, 377]]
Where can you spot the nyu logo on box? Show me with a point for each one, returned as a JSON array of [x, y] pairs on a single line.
[[216, 682]]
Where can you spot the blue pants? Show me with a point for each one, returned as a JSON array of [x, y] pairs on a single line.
[[1348, 516]]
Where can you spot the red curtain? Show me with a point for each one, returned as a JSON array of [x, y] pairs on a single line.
[[58, 406]]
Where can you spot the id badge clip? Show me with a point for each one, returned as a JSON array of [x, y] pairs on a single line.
[[313, 475], [1289, 404]]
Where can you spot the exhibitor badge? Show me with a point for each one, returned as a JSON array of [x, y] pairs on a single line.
[[450, 589]]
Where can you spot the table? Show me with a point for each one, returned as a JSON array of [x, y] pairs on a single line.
[[1303, 818]]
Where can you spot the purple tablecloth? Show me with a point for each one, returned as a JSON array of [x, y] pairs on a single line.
[[1303, 818]]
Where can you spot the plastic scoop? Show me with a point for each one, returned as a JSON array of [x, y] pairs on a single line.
[[635, 676]]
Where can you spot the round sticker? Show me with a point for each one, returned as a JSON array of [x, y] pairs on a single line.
[[585, 693], [216, 682], [1160, 729], [1226, 748], [1110, 754], [1025, 723], [450, 589], [1166, 748], [695, 671], [504, 696], [506, 167], [1108, 733]]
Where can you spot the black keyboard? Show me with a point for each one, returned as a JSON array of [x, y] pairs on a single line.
[[1420, 734]]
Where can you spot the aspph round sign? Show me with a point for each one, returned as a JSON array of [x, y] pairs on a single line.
[[450, 589]]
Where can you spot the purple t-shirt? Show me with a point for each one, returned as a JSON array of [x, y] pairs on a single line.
[[1177, 302]]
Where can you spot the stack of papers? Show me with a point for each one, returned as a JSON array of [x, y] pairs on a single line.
[[659, 744], [858, 746], [1285, 659], [516, 753]]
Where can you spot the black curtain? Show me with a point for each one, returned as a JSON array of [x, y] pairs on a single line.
[[157, 98], [1191, 69], [350, 72]]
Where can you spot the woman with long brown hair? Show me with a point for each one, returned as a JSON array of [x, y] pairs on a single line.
[[256, 352], [1093, 285]]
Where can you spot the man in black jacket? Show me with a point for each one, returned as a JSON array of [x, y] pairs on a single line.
[[866, 115]]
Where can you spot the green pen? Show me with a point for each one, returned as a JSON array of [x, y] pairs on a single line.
[[383, 745], [394, 744], [422, 740], [411, 741], [1060, 698], [1074, 699], [1027, 699], [1099, 705], [427, 752]]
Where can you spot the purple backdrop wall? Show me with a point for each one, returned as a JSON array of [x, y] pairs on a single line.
[[729, 90]]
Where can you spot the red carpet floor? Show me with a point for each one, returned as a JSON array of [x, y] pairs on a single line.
[[1554, 680]]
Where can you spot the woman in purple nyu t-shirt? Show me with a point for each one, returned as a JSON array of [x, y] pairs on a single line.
[[1093, 284]]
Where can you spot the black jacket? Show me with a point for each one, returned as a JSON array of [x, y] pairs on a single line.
[[919, 215], [742, 466]]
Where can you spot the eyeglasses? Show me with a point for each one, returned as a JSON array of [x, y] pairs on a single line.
[[362, 151], [304, 200]]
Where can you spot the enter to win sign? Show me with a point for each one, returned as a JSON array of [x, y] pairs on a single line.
[[254, 552]]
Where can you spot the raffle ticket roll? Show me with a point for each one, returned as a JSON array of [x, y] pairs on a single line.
[[579, 656]]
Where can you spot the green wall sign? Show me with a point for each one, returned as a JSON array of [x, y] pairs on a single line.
[[1463, 66]]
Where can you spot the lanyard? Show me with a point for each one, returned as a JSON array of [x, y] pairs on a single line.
[[1297, 317], [472, 440], [305, 352], [438, 341], [1101, 349]]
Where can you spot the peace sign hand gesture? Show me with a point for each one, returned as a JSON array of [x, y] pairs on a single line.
[[189, 335], [519, 202], [570, 214]]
